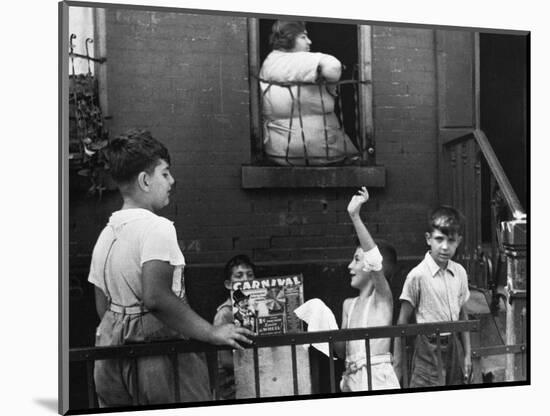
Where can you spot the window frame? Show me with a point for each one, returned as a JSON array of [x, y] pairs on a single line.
[[365, 97], [257, 175]]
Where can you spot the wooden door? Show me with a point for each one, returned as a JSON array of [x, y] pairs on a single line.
[[459, 167]]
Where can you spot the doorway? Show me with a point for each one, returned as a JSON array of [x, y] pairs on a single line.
[[504, 95]]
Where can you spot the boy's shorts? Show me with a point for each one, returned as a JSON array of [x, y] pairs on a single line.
[[383, 377], [114, 379], [425, 372]]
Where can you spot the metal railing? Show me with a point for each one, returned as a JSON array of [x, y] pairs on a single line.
[[465, 156], [173, 348], [344, 109]]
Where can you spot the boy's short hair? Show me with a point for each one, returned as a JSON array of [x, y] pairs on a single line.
[[284, 33], [134, 152], [446, 219], [238, 260]]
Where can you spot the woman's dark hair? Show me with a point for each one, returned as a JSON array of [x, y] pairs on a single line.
[[283, 34], [239, 260], [134, 152]]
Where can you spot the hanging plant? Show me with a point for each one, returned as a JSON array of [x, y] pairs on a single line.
[[88, 136]]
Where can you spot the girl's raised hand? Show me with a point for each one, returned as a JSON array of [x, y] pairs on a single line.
[[357, 200]]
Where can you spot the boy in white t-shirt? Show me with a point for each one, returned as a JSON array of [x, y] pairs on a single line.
[[137, 270], [373, 307]]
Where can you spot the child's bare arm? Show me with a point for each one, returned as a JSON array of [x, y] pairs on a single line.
[[224, 316], [354, 208], [101, 302], [167, 307], [365, 239]]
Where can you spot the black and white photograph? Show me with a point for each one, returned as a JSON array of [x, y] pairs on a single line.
[[271, 208], [209, 156]]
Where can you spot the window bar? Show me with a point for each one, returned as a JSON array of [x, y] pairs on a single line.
[[290, 125], [176, 374], [341, 119], [90, 383], [439, 358], [302, 126], [331, 365], [255, 102], [404, 362], [135, 387], [263, 130], [294, 366], [356, 112], [256, 371], [324, 119], [368, 363]]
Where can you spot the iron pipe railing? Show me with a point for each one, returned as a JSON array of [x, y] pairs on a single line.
[[188, 346], [296, 104], [510, 196], [174, 347]]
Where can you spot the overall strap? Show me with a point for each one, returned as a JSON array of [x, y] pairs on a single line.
[[136, 308], [367, 309], [107, 293], [351, 308]]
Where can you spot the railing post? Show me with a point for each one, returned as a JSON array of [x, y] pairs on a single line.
[[90, 383], [368, 363], [515, 244], [256, 371], [404, 362], [439, 359], [294, 367], [135, 381], [176, 374], [331, 365], [212, 363]]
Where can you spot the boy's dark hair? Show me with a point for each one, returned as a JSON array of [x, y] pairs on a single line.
[[283, 34], [134, 152], [446, 219], [238, 260]]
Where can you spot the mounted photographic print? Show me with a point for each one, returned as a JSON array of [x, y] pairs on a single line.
[[265, 207]]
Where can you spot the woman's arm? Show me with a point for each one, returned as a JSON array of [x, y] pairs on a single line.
[[330, 68]]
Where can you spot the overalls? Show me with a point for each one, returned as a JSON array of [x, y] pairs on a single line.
[[355, 377], [128, 321]]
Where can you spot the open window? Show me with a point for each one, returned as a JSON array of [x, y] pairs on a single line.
[[351, 45]]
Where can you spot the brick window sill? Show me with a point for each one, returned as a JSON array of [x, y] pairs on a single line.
[[255, 177]]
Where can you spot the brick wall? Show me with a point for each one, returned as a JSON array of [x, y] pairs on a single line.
[[405, 122], [185, 78]]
